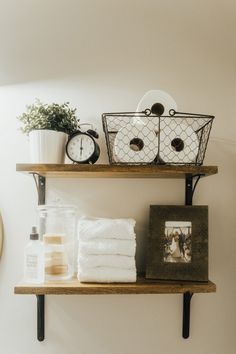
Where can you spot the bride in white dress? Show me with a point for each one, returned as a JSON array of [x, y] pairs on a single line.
[[174, 249]]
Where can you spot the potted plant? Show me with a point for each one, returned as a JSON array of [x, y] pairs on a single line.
[[48, 127]]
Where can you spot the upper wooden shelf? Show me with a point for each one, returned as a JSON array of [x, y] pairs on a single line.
[[143, 286], [116, 171]]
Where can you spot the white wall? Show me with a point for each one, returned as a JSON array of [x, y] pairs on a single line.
[[102, 56]]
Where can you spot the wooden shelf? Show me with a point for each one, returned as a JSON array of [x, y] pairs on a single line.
[[143, 286], [116, 171]]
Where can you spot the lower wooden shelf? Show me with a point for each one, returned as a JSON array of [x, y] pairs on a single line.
[[142, 286]]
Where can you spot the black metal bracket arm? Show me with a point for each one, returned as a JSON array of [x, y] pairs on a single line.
[[40, 182], [191, 182], [186, 314], [190, 187], [40, 317]]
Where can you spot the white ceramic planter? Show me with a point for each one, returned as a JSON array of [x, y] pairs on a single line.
[[47, 146]]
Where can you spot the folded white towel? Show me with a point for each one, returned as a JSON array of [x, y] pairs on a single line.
[[95, 228], [108, 246], [112, 261], [107, 275]]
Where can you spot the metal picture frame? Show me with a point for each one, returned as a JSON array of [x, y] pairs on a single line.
[[177, 247]]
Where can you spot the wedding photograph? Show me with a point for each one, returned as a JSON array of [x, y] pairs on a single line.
[[177, 241]]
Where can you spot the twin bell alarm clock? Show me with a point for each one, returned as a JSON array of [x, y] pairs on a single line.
[[81, 146]]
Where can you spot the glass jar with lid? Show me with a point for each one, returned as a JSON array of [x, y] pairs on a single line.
[[57, 228]]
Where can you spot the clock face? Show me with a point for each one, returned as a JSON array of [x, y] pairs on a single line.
[[80, 148]]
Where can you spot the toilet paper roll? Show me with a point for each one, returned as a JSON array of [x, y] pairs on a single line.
[[159, 102], [135, 144], [178, 143]]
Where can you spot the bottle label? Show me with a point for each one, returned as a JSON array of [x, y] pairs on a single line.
[[32, 266]]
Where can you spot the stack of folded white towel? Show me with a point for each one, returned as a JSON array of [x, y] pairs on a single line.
[[106, 250]]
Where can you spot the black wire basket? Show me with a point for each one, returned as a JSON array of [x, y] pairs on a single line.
[[145, 138]]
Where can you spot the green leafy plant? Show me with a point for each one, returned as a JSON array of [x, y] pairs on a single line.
[[49, 116]]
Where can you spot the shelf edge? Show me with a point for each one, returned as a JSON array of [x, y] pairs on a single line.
[[116, 171], [114, 289]]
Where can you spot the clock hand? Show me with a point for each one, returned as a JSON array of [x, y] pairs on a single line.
[[81, 147]]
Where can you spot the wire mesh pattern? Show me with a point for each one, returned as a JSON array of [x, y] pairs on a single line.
[[145, 138]]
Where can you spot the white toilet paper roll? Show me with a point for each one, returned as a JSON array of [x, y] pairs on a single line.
[[135, 144], [178, 143], [163, 101]]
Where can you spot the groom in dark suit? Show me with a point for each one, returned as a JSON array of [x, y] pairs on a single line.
[[181, 243]]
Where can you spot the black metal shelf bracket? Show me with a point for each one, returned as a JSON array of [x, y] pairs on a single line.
[[40, 317], [40, 182], [191, 182], [186, 314]]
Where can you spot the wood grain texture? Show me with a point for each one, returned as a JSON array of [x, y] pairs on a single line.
[[116, 171], [143, 286]]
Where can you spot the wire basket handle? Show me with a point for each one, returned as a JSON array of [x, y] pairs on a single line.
[[147, 112], [172, 113]]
